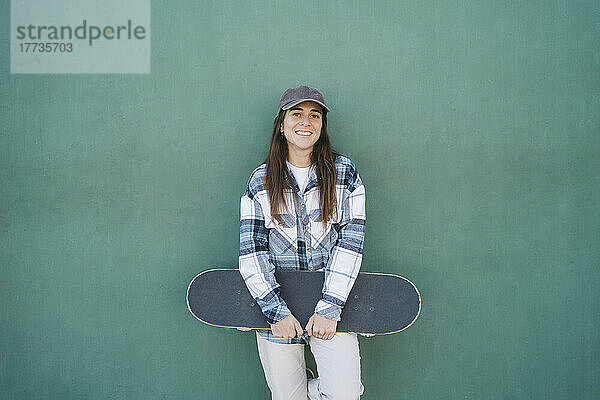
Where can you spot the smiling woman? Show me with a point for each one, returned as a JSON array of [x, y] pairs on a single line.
[[302, 128], [304, 209], [300, 137]]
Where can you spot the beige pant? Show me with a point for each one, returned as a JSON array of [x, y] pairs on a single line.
[[338, 365]]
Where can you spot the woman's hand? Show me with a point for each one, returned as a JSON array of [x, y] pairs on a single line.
[[287, 328], [321, 327]]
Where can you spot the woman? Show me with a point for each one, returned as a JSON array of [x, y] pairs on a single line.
[[304, 208]]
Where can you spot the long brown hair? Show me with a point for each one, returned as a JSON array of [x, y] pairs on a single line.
[[322, 157]]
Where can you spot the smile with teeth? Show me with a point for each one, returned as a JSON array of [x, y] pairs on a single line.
[[303, 133]]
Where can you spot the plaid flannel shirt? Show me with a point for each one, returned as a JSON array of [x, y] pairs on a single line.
[[301, 242]]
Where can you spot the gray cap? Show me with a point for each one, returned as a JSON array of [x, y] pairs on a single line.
[[294, 96]]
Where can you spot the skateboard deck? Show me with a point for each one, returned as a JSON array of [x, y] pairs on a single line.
[[378, 304]]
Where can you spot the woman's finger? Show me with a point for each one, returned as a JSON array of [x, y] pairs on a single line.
[[298, 328], [309, 326]]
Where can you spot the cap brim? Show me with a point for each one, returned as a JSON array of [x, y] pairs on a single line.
[[296, 102]]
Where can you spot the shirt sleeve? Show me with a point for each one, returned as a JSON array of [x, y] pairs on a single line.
[[256, 269], [346, 255]]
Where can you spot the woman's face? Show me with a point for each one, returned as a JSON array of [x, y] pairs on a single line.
[[302, 126]]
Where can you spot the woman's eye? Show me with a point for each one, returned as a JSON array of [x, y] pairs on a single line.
[[316, 116], [296, 114]]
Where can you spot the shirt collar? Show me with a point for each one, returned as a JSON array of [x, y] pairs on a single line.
[[313, 181]]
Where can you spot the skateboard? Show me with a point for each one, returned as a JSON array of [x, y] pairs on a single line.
[[378, 304]]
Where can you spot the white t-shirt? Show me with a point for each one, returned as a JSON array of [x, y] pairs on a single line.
[[300, 174]]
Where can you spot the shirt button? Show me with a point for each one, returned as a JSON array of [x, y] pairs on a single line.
[[302, 205], [306, 228], [308, 249]]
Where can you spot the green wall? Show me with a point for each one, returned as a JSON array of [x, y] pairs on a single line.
[[474, 125]]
